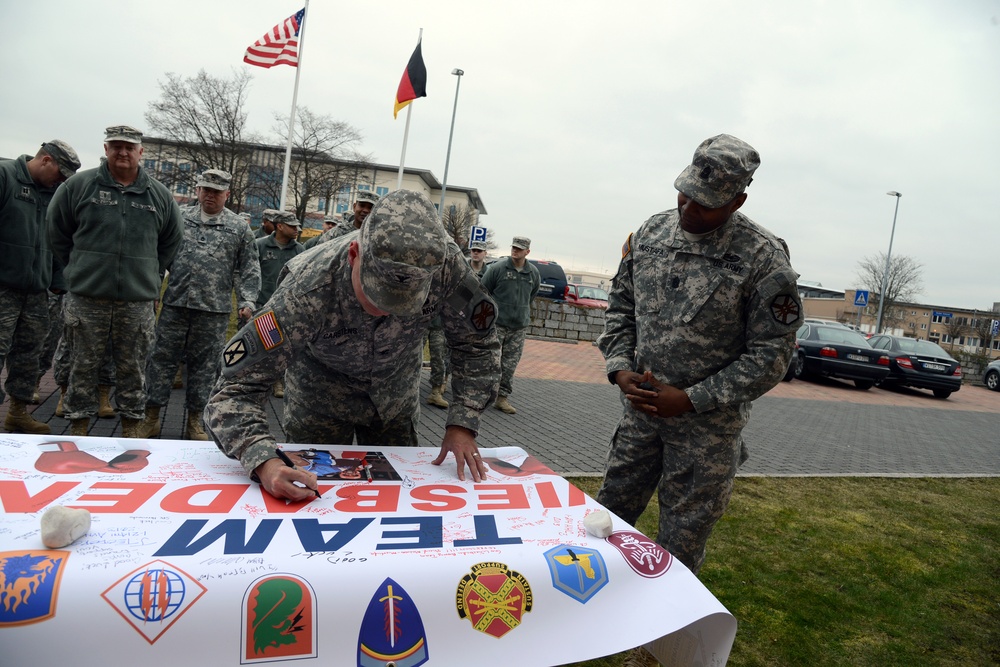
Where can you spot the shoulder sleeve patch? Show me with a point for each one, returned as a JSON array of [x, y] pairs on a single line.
[[785, 309], [627, 247], [268, 330]]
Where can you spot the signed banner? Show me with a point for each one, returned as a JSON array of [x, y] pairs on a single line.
[[398, 563]]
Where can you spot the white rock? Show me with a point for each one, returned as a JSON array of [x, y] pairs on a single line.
[[62, 526], [598, 523]]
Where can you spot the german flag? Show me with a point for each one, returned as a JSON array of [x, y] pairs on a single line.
[[414, 81]]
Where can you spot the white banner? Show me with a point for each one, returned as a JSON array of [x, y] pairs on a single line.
[[187, 562]]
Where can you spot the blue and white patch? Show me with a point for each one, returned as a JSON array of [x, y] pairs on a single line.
[[578, 572], [392, 632]]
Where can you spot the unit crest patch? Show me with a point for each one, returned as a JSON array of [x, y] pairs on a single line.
[[494, 598]]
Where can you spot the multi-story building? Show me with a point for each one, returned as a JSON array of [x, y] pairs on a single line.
[[329, 186]]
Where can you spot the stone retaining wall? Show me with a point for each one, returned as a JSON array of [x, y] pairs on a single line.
[[565, 321]]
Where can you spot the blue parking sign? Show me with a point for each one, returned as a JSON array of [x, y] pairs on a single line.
[[996, 327], [861, 298], [477, 234]]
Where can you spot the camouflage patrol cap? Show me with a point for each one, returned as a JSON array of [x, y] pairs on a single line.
[[64, 155], [269, 214], [477, 245], [367, 196], [286, 217], [215, 179], [522, 242], [123, 133], [402, 246], [722, 168]]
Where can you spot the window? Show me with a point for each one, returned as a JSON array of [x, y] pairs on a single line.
[[941, 319], [343, 198], [149, 164], [182, 188], [381, 191], [923, 326], [185, 168], [946, 338], [321, 204], [167, 167]]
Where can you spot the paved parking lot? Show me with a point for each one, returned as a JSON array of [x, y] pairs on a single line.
[[567, 412]]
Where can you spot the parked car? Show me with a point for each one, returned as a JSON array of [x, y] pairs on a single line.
[[553, 285], [838, 352], [585, 295], [793, 365], [991, 377], [919, 363]]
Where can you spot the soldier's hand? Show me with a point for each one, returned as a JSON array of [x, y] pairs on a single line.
[[629, 382], [655, 398], [462, 442], [245, 314], [279, 480]]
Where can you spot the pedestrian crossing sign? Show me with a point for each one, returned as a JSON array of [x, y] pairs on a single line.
[[861, 298]]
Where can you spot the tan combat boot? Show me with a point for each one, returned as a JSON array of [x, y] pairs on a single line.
[[193, 429], [104, 410], [62, 395], [80, 426], [436, 397], [150, 427], [131, 427], [503, 405], [279, 389], [19, 421]]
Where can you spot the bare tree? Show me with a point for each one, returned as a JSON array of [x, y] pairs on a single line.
[[324, 158], [984, 330], [903, 286], [955, 327], [458, 222], [203, 120]]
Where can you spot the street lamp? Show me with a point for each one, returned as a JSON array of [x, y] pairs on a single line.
[[444, 185], [888, 258]]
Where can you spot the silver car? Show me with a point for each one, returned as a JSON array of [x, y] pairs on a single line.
[[991, 377]]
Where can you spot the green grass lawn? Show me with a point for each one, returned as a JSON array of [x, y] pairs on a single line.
[[855, 571]]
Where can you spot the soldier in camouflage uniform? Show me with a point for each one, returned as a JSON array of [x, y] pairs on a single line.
[[218, 255], [329, 223], [26, 271], [477, 257], [347, 322], [366, 199], [116, 230], [266, 223], [513, 282], [701, 321]]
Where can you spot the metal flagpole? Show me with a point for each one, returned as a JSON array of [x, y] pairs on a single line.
[[444, 185], [406, 131], [291, 117]]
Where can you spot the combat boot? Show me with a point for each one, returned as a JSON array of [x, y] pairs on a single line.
[[279, 389], [131, 427], [62, 395], [80, 426], [150, 427], [19, 421], [503, 405], [193, 429], [104, 410], [436, 397]]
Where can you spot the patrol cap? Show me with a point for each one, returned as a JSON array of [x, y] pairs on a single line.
[[123, 133], [722, 168], [367, 196], [269, 214], [402, 246], [215, 179], [522, 242], [286, 217], [477, 245], [64, 155]]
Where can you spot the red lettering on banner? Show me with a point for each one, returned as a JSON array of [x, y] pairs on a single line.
[[15, 497], [507, 497], [224, 500], [369, 498], [438, 502], [550, 497], [122, 503]]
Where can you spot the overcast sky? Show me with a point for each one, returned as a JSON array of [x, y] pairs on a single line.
[[574, 118]]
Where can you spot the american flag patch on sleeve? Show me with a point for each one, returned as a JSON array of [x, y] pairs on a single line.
[[268, 330]]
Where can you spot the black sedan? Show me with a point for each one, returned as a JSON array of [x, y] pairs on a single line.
[[838, 352], [919, 363]]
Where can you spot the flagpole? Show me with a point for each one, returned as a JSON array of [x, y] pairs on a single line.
[[406, 131], [291, 116], [444, 185]]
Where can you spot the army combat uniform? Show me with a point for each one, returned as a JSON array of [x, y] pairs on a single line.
[[218, 255], [715, 317], [513, 290], [116, 242], [272, 258], [350, 373]]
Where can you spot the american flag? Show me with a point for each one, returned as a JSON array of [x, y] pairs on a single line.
[[267, 328], [280, 46]]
